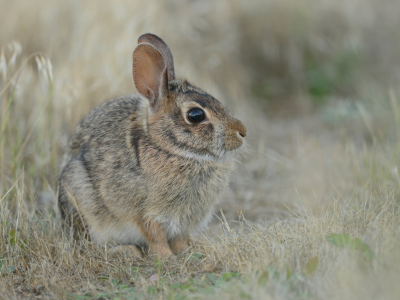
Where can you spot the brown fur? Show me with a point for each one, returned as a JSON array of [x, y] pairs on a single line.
[[138, 172]]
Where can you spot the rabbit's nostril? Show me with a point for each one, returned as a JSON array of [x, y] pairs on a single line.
[[239, 128], [242, 130]]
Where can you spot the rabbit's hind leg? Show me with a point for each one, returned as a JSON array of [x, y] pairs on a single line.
[[74, 186]]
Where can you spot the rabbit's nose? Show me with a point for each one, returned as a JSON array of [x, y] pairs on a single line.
[[240, 128]]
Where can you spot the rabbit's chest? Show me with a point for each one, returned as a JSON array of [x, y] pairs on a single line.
[[186, 195]]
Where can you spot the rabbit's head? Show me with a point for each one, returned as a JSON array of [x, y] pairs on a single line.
[[181, 118]]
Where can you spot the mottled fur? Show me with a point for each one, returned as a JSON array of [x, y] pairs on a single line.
[[136, 171]]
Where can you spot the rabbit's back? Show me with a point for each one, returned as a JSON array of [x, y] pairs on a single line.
[[104, 123]]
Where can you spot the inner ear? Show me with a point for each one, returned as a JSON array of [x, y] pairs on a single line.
[[161, 46], [150, 73]]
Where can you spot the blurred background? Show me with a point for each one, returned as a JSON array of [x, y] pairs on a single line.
[[315, 82]]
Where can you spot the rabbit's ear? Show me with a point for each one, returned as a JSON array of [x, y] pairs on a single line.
[[150, 73], [161, 46]]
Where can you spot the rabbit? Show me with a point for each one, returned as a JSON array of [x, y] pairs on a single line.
[[149, 169]]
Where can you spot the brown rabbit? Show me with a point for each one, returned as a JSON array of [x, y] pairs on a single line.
[[149, 169]]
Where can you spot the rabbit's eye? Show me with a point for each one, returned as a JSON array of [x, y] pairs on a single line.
[[196, 115]]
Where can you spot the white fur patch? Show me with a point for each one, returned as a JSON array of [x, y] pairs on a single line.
[[127, 234], [171, 227]]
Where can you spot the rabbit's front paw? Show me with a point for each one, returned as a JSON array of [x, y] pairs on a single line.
[[178, 245], [161, 249], [129, 250], [156, 239]]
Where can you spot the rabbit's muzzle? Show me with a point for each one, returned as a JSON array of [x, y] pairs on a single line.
[[236, 132]]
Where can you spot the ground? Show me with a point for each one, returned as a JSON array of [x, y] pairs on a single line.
[[312, 210]]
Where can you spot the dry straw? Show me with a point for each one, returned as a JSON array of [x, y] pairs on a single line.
[[331, 169]]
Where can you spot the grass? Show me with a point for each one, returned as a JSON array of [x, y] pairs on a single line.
[[313, 209]]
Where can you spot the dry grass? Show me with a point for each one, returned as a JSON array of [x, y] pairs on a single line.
[[330, 166]]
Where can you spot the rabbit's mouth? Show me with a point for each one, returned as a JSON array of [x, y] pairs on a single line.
[[234, 140], [232, 146]]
